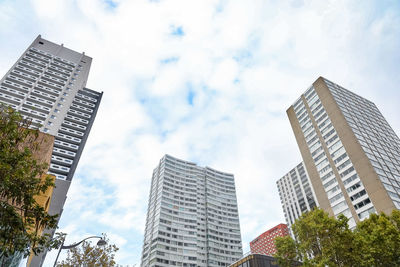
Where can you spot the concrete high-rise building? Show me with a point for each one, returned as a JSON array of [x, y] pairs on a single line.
[[296, 193], [351, 153], [192, 217], [265, 243], [48, 85]]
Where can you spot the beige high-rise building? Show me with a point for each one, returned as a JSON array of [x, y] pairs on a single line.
[[351, 153]]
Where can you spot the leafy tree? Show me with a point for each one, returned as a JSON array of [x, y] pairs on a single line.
[[94, 256], [22, 178], [286, 254], [379, 236], [321, 240]]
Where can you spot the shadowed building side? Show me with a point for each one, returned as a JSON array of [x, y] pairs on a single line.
[[48, 84]]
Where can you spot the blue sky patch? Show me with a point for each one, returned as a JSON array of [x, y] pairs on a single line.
[[242, 54], [177, 31], [190, 96], [111, 4], [169, 60], [219, 7]]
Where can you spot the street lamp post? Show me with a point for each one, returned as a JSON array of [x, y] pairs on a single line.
[[100, 243]]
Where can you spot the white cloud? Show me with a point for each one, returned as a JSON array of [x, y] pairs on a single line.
[[245, 62], [224, 75]]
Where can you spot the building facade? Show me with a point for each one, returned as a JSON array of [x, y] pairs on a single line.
[[48, 85], [259, 260], [192, 217], [256, 260], [351, 153], [42, 149], [265, 243], [296, 193]]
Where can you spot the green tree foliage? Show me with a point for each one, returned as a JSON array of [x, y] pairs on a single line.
[[286, 254], [21, 217], [87, 255], [321, 240], [379, 237]]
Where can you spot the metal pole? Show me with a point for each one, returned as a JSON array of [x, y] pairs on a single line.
[[58, 254]]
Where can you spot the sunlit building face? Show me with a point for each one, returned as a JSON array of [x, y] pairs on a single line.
[[192, 217], [351, 153]]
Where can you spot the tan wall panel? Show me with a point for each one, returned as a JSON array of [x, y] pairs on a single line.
[[309, 163], [328, 102], [369, 178], [45, 149]]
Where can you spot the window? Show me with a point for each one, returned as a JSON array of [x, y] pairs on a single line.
[[321, 164], [353, 187], [343, 165], [358, 195], [319, 157], [349, 170], [389, 187], [339, 206], [337, 152], [346, 213], [323, 178], [362, 203], [332, 191], [331, 140], [331, 182], [335, 198], [366, 213], [315, 146], [335, 146], [323, 170]]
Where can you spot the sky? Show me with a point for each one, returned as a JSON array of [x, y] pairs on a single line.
[[206, 81]]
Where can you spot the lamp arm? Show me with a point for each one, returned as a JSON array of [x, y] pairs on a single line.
[[77, 244]]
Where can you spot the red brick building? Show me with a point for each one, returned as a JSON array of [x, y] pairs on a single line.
[[264, 244]]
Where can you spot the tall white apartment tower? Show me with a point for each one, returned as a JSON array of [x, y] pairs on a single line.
[[351, 153], [296, 193], [192, 218], [47, 84]]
